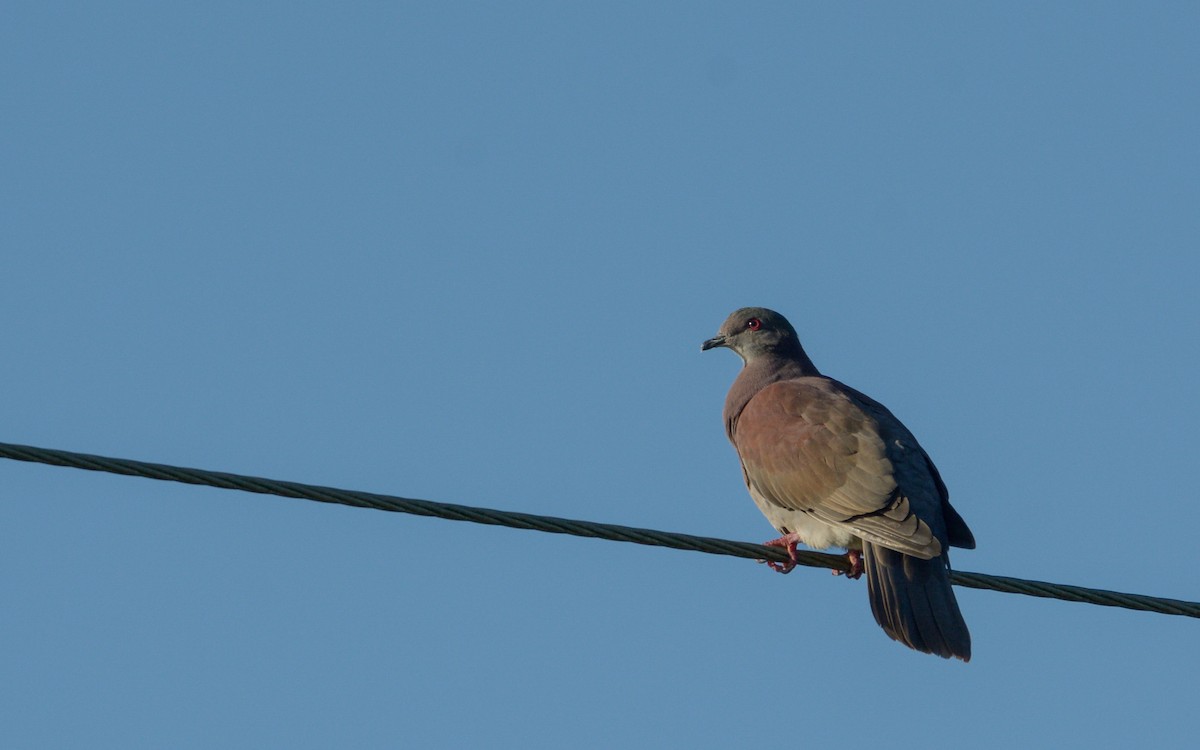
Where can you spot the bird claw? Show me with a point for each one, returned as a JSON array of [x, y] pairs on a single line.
[[856, 566], [788, 542], [779, 567]]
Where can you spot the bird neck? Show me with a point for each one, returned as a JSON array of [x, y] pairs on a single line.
[[759, 373]]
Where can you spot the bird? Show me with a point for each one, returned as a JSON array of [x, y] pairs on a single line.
[[831, 467]]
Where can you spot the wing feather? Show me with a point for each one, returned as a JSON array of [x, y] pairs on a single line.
[[816, 446]]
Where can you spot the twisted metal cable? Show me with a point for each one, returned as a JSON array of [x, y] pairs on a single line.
[[552, 525]]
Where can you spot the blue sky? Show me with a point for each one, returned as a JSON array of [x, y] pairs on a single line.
[[468, 252]]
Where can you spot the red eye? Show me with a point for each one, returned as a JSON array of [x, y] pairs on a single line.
[[754, 324]]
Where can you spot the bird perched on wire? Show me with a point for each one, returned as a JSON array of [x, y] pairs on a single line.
[[831, 467]]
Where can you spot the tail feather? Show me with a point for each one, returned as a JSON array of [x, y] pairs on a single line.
[[912, 601]]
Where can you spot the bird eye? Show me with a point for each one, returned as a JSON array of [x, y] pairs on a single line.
[[754, 324]]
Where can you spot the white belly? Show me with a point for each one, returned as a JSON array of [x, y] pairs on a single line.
[[815, 534]]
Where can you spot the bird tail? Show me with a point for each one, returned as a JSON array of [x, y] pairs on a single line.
[[912, 601]]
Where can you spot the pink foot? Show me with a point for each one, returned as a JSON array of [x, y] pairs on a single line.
[[856, 565], [788, 542]]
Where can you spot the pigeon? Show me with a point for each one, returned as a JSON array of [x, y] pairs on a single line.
[[831, 467]]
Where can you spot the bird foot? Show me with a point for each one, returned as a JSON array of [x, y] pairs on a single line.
[[788, 542], [856, 566]]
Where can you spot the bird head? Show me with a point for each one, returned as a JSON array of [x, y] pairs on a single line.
[[753, 332]]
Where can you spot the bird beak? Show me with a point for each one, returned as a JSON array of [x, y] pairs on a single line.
[[713, 343]]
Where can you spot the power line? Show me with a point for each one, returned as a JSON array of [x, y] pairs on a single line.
[[552, 525]]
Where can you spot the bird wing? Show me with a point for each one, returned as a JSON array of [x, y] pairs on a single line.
[[917, 473], [814, 445]]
